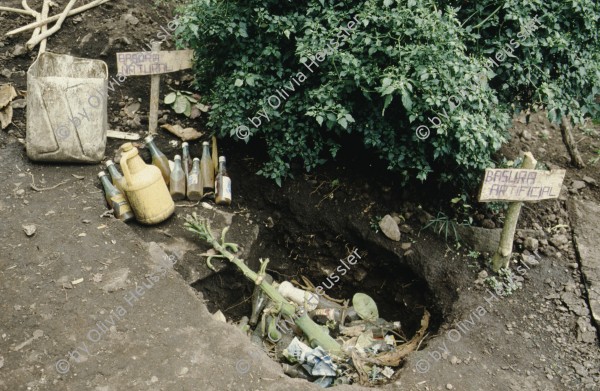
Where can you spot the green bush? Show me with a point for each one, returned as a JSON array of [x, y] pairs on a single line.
[[404, 65]]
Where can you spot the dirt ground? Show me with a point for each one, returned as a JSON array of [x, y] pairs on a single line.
[[541, 337]]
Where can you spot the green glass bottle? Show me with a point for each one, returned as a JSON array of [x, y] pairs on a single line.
[[116, 200], [159, 159], [207, 170], [117, 178], [222, 185], [186, 159]]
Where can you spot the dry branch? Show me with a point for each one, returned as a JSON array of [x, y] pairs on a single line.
[[35, 40], [51, 19], [567, 136]]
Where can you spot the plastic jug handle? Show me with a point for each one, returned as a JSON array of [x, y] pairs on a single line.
[[124, 160]]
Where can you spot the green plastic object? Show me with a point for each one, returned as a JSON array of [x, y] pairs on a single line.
[[365, 307]]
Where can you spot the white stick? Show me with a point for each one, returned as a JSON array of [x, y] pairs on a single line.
[[35, 14], [51, 19], [34, 41], [45, 10], [18, 11]]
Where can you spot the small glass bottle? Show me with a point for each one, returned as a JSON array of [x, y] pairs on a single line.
[[223, 184], [177, 184], [207, 170], [159, 159], [117, 178], [116, 200], [194, 184]]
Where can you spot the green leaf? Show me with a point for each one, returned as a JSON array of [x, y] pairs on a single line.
[[239, 82], [181, 104], [319, 120], [170, 98], [188, 109], [387, 3]]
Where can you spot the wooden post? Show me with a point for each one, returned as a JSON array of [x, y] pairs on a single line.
[[502, 256], [154, 96]]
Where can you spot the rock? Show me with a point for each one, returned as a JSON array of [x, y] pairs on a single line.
[[558, 240], [406, 229], [129, 18], [578, 185], [545, 133], [19, 104], [531, 244], [530, 260], [132, 109], [449, 386], [19, 50], [406, 246], [29, 229], [116, 280], [479, 239], [390, 228], [526, 135], [589, 180], [397, 218], [488, 224], [7, 73]]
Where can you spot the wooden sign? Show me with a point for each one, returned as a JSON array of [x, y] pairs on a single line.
[[153, 63], [520, 185]]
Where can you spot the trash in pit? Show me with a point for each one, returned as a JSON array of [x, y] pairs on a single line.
[[371, 346]]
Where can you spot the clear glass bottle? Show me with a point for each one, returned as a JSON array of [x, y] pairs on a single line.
[[178, 181], [115, 199], [194, 184], [222, 184], [117, 178], [159, 159], [207, 170]]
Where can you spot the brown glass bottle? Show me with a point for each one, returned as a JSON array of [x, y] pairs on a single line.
[[177, 183], [207, 170], [195, 188], [159, 159], [222, 184], [116, 200]]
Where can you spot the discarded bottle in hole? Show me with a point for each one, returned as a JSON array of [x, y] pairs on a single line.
[[178, 182], [259, 301], [159, 159], [117, 178], [207, 170], [186, 159], [194, 183], [222, 185], [115, 199]]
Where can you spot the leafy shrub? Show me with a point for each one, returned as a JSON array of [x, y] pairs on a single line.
[[403, 65]]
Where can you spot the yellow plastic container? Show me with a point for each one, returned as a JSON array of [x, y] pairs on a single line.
[[145, 187]]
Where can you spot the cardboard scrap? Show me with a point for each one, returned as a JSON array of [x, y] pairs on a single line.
[[7, 94]]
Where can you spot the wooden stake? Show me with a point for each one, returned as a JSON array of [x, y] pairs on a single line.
[[154, 96], [502, 256]]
